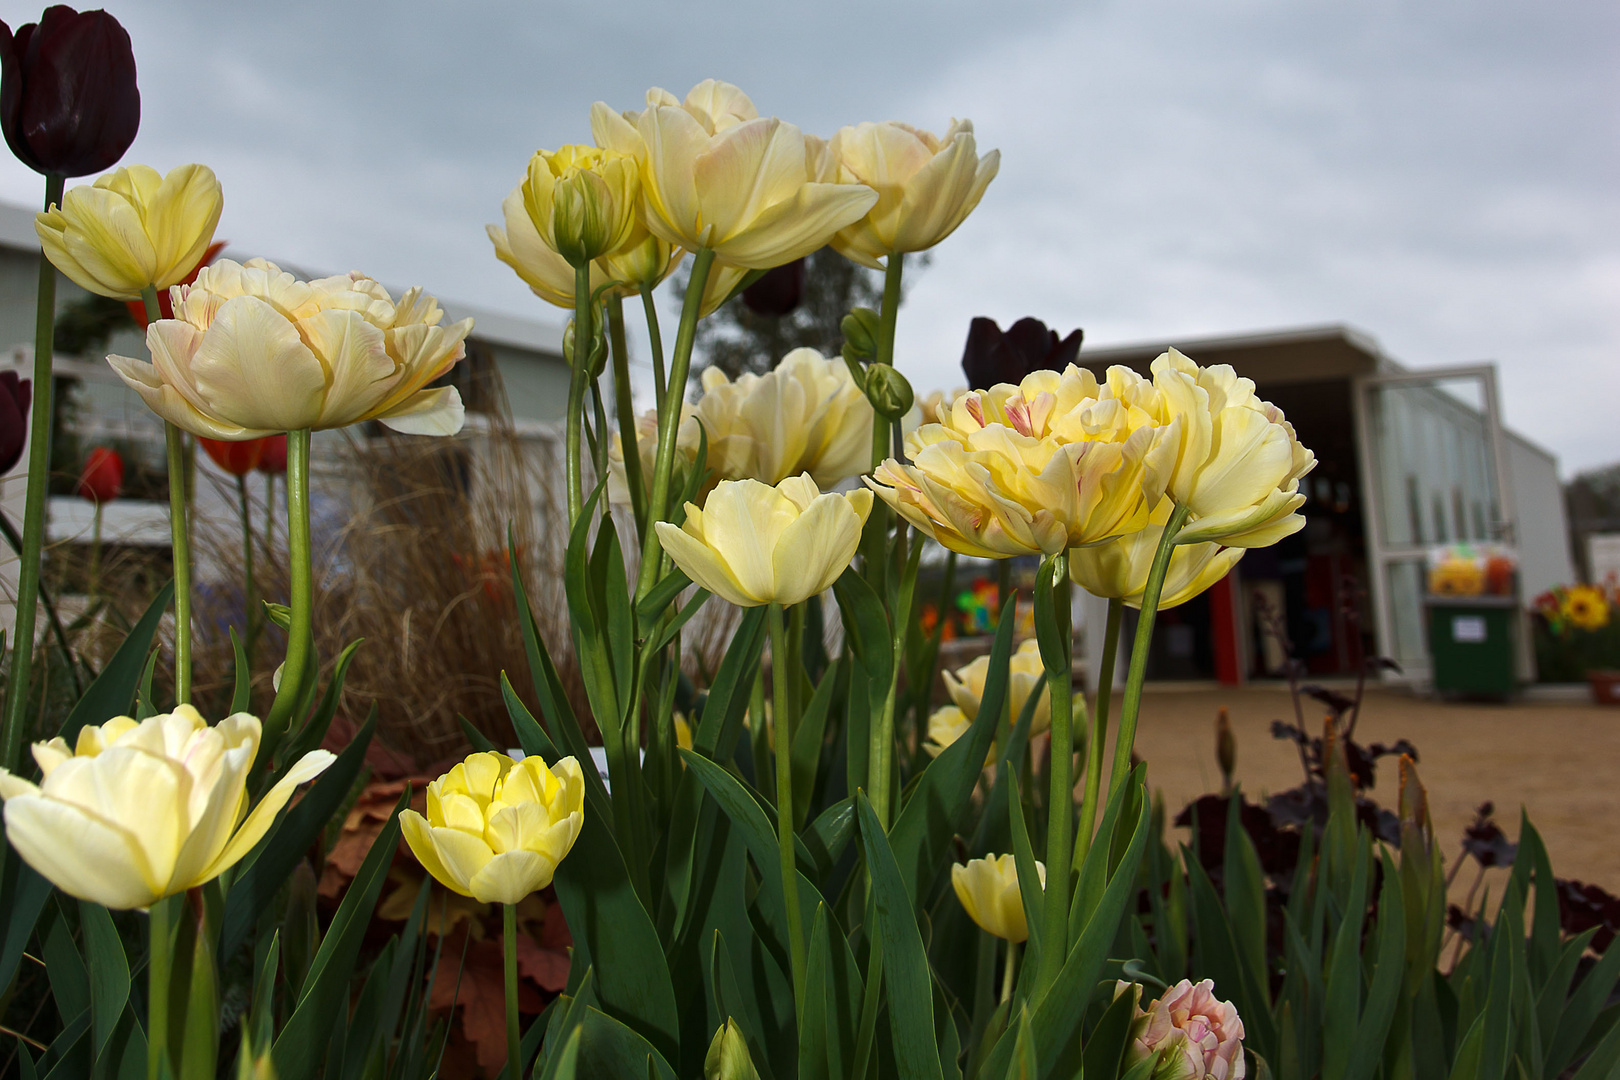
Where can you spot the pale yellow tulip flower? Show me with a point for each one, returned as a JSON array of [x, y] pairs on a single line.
[[138, 811], [989, 892], [253, 351], [496, 829], [715, 174], [927, 185], [1118, 570], [755, 544], [132, 229], [583, 200], [1025, 668]]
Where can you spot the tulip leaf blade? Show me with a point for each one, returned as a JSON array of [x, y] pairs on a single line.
[[242, 688], [1105, 1047], [906, 977], [313, 732], [325, 991], [723, 709], [660, 596], [684, 616], [729, 1000], [1383, 993], [866, 626], [608, 1047], [808, 737], [109, 973], [23, 896], [754, 821], [829, 834], [113, 692]]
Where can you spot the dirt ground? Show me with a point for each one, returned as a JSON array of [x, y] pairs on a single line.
[[1559, 760]]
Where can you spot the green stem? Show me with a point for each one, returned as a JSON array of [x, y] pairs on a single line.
[[39, 466], [984, 982], [159, 966], [669, 418], [625, 406], [759, 738], [891, 308], [880, 747], [94, 585], [1126, 740], [174, 441], [655, 342], [599, 425], [1009, 970], [782, 670], [514, 1040], [1099, 733], [244, 509], [1060, 800], [576, 392], [300, 635]]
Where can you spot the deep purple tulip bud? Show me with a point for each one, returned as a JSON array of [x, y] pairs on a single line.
[[68, 100], [992, 357], [15, 396], [778, 291]]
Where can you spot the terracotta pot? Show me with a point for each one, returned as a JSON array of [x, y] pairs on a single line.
[[1605, 686]]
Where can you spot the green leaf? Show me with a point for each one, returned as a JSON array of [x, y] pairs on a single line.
[[866, 626], [807, 744], [566, 1065], [287, 843], [1245, 890], [199, 1055], [905, 963], [689, 609], [1025, 1060], [1105, 1049], [723, 709], [1342, 1005], [23, 894], [609, 1048], [242, 691], [313, 733], [660, 596], [113, 692], [480, 742], [534, 740], [65, 970], [109, 973], [1570, 1017], [1384, 993], [829, 834], [1030, 890], [1604, 1061], [325, 991], [731, 1003]]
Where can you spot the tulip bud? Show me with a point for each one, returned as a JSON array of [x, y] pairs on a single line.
[[1416, 825], [103, 477], [582, 200], [889, 391], [596, 359], [578, 218], [860, 330], [1225, 749], [15, 396], [280, 614], [728, 1055], [68, 100]]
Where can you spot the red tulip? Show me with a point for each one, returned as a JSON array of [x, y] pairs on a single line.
[[68, 100], [103, 476], [137, 308], [236, 458], [15, 396], [274, 457]]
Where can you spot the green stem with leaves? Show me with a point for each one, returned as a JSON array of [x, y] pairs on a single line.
[[783, 669], [39, 466], [514, 1039], [1060, 799], [1125, 742], [669, 419], [300, 633], [1099, 732]]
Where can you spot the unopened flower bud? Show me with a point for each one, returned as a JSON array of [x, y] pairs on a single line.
[[728, 1056], [1225, 749], [860, 330], [582, 200], [596, 357], [889, 391]]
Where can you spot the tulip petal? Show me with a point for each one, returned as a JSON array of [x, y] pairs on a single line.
[[674, 139], [427, 412], [167, 402], [419, 837], [817, 547], [253, 368], [263, 816], [80, 853], [180, 220], [512, 875], [462, 854], [795, 227], [359, 371], [700, 563], [106, 238], [751, 167], [743, 522]]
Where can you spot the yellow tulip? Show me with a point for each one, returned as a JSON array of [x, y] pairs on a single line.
[[496, 829], [253, 351], [1024, 470], [138, 811], [755, 544], [1025, 668], [946, 724], [989, 892], [715, 174], [1228, 456], [582, 200], [133, 228], [1119, 569], [926, 184]]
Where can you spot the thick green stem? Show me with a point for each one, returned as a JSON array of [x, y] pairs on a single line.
[[669, 419], [1126, 740], [880, 746], [159, 966], [1099, 733], [655, 343], [577, 381], [174, 441], [625, 406], [514, 1039], [39, 465], [784, 669], [890, 315], [94, 576], [300, 634], [249, 600], [1009, 970], [1060, 798]]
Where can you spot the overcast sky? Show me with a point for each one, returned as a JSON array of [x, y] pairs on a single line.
[[1444, 176]]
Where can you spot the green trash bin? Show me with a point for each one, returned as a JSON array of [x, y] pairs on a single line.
[[1472, 644]]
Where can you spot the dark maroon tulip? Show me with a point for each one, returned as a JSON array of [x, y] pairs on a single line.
[[992, 357], [778, 291], [68, 101], [15, 396]]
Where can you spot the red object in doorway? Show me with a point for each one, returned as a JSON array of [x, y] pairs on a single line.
[[1223, 625]]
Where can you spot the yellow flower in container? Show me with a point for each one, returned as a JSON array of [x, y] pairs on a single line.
[[496, 829], [253, 351], [989, 892], [1025, 668], [1585, 606], [138, 811], [715, 174], [133, 228], [1119, 569], [755, 544], [927, 185]]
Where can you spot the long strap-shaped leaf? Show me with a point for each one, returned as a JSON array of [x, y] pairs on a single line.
[[113, 692]]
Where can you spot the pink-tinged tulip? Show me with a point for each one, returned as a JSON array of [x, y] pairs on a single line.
[[103, 477], [1191, 1034], [15, 396], [68, 100]]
